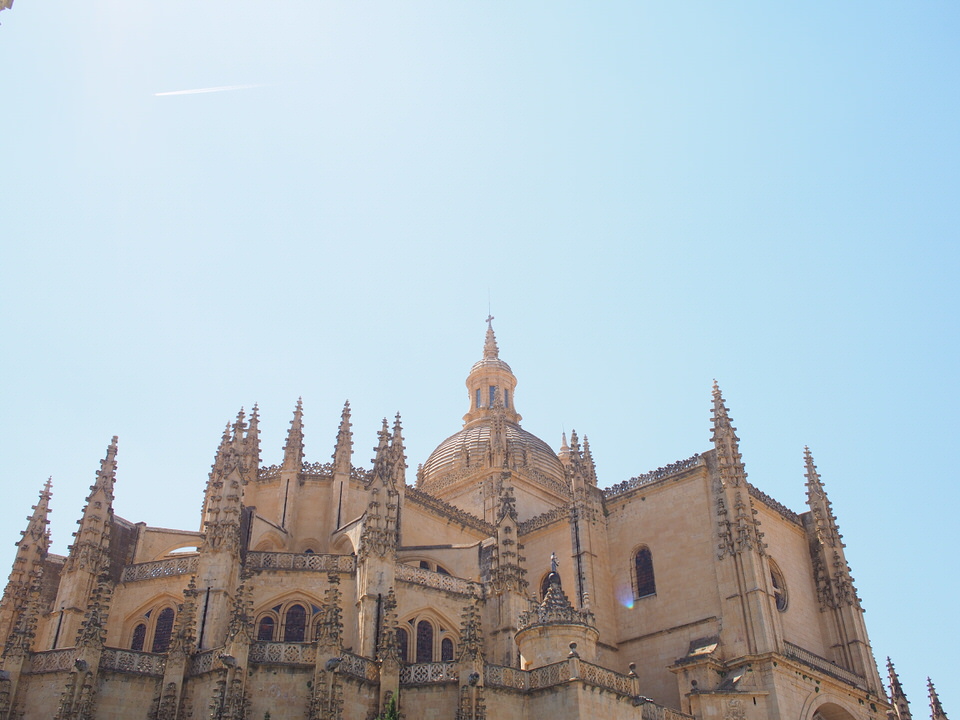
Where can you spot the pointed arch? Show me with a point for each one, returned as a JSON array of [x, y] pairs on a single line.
[[149, 628], [642, 574], [427, 636]]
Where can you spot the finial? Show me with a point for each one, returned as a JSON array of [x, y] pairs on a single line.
[[554, 565], [490, 349]]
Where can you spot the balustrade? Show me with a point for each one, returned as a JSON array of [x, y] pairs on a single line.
[[160, 568], [283, 653], [359, 667], [53, 660], [507, 677], [131, 661], [427, 673], [300, 561], [440, 581], [813, 660]]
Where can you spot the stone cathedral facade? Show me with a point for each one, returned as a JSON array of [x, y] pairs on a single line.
[[503, 583]]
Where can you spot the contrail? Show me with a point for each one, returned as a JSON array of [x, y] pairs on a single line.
[[222, 88]]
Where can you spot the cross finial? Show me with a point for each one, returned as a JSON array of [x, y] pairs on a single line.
[[490, 320]]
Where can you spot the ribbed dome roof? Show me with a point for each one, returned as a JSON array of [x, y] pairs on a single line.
[[470, 449]]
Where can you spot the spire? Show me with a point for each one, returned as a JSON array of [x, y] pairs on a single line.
[[726, 442], [381, 460], [343, 452], [936, 709], [27, 565], [590, 469], [820, 507], [831, 572], [490, 349], [564, 453], [293, 450], [90, 550], [397, 457], [252, 441], [222, 500], [901, 708]]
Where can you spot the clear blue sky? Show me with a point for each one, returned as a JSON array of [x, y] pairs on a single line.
[[650, 197]]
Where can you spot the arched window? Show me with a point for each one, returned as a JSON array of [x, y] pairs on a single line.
[[424, 642], [161, 635], [646, 584], [403, 640], [779, 587], [506, 399], [265, 629], [446, 649], [295, 625], [139, 637]]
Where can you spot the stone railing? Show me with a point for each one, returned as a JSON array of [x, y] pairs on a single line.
[[604, 678], [301, 561], [205, 662], [440, 581], [359, 667], [53, 660], [318, 470], [543, 519], [505, 677], [561, 489], [574, 669], [268, 473], [653, 476], [651, 711], [815, 661], [428, 673], [131, 661], [779, 507], [283, 653], [548, 675], [450, 512], [186, 565]]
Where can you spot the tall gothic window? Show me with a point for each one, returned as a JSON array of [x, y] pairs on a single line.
[[139, 637], [493, 393], [295, 625], [779, 587], [478, 398], [161, 635], [506, 399], [403, 640], [424, 642], [643, 570], [446, 650], [265, 629]]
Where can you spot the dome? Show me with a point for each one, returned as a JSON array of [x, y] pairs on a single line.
[[479, 447], [470, 450]]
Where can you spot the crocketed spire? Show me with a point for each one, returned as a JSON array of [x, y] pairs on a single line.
[[898, 698], [936, 709]]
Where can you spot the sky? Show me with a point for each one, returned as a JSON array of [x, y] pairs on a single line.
[[646, 196]]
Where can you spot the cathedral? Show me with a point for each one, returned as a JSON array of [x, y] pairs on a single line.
[[501, 582]]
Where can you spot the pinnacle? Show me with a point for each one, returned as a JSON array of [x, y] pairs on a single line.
[[490, 349]]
